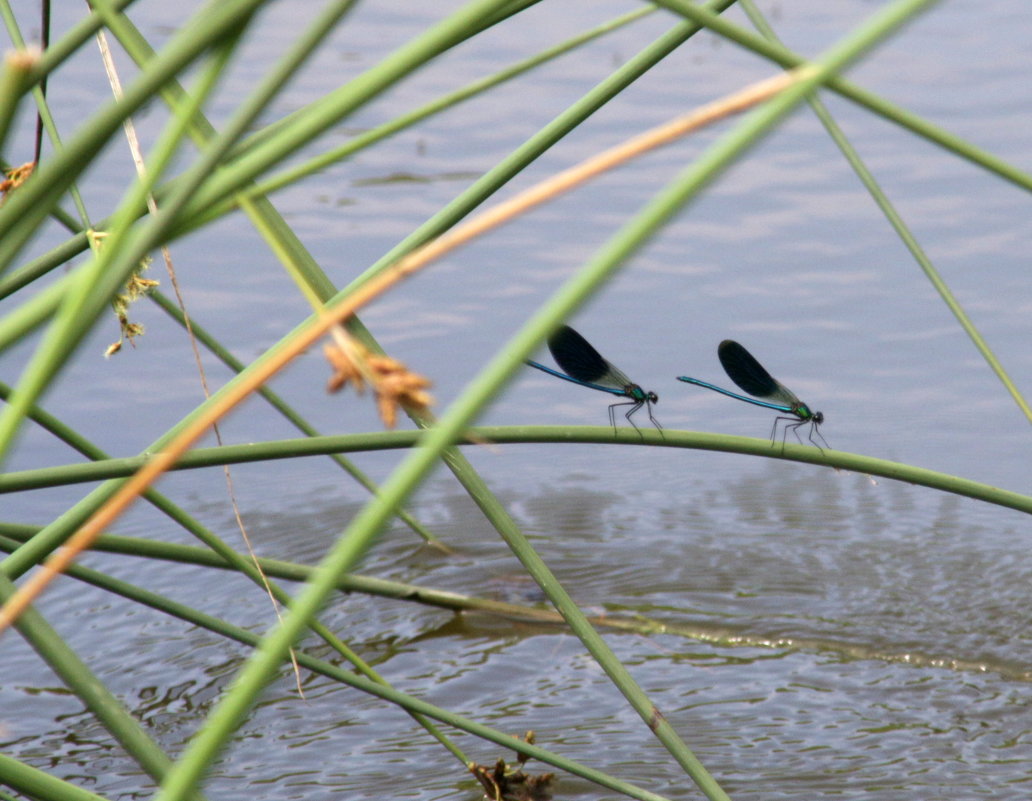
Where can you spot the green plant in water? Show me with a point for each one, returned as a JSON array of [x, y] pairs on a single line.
[[232, 169]]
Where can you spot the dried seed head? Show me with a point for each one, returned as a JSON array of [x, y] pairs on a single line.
[[16, 176], [344, 370], [392, 382]]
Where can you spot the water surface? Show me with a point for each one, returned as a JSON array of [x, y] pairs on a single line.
[[883, 646]]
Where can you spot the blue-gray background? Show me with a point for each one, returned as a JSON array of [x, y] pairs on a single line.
[[786, 253]]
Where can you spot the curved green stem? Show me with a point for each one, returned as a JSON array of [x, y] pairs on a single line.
[[525, 435], [721, 631]]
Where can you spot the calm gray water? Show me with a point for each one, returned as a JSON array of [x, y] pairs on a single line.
[[912, 606]]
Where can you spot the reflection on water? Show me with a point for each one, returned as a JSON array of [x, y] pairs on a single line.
[[812, 641]]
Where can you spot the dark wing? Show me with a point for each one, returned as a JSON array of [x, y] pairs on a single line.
[[749, 374], [581, 361]]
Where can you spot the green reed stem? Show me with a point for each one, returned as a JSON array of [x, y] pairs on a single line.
[[36, 783], [889, 111], [360, 535], [263, 215], [410, 704], [723, 633], [43, 110], [70, 42], [77, 676], [14, 83], [37, 309], [902, 230], [26, 209], [95, 283], [295, 419], [405, 121], [527, 435]]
